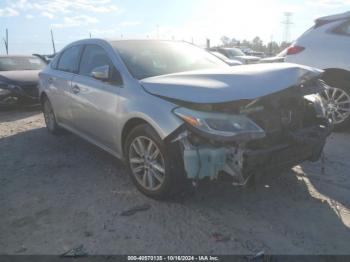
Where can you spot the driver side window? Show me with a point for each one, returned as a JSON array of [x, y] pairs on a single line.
[[95, 56]]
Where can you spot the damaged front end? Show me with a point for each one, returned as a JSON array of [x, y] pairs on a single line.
[[246, 137], [14, 94]]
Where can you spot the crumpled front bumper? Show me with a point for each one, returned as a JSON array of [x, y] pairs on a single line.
[[306, 144], [241, 162]]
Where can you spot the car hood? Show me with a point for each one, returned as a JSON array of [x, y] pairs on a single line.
[[228, 84], [27, 77]]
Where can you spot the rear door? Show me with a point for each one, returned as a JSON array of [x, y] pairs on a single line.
[[61, 84], [96, 101]]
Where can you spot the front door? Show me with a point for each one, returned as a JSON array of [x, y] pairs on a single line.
[[95, 101]]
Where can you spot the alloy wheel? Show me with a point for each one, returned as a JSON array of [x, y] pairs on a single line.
[[338, 104], [147, 163], [49, 115]]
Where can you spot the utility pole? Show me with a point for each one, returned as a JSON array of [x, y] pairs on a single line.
[[90, 35], [271, 39], [287, 23], [208, 43], [6, 41], [53, 42]]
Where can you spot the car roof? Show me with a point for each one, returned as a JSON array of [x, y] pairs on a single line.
[[334, 17], [115, 41]]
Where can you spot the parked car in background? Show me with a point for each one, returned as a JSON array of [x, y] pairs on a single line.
[[230, 62], [176, 113], [326, 45], [236, 54], [19, 79], [279, 58], [251, 52]]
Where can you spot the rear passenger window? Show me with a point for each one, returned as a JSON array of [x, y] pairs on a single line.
[[54, 63], [69, 59]]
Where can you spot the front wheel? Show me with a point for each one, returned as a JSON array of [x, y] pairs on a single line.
[[337, 98], [50, 119], [154, 167]]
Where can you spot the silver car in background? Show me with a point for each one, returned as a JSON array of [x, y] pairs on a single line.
[[175, 113]]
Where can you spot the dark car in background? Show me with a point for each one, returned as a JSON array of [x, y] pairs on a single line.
[[19, 79]]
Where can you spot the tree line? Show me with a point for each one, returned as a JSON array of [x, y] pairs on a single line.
[[270, 49]]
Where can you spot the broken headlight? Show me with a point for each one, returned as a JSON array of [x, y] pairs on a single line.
[[220, 124]]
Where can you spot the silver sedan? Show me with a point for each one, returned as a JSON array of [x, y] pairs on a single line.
[[175, 113]]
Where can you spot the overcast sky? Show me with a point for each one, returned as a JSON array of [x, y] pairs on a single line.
[[29, 21]]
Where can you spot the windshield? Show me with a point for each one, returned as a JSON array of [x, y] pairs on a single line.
[[233, 52], [21, 63], [153, 58]]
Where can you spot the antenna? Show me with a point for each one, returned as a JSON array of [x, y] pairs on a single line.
[[6, 41], [287, 23], [53, 42]]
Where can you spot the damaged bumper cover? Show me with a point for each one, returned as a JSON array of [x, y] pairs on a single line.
[[275, 132], [13, 94], [202, 161]]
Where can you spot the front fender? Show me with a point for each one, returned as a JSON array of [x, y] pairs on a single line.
[[151, 109]]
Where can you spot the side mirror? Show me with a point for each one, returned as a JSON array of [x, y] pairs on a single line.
[[101, 73]]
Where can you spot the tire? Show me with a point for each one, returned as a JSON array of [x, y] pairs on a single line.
[[338, 99], [50, 119], [157, 174]]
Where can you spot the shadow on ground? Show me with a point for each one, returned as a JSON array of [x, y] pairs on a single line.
[[10, 114], [60, 192]]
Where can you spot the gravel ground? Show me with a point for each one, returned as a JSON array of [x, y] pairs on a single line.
[[58, 193]]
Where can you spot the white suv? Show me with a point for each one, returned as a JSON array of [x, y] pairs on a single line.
[[327, 46]]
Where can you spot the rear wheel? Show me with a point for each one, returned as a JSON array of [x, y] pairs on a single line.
[[154, 167], [337, 97], [50, 119]]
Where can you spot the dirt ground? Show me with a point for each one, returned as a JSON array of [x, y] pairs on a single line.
[[59, 193]]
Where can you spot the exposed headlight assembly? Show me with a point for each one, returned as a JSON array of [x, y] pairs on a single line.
[[221, 126]]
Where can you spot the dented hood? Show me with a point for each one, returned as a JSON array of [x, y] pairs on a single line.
[[20, 77], [229, 84]]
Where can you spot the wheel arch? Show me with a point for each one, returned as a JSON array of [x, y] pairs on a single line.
[[43, 95], [332, 75], [164, 130], [130, 125]]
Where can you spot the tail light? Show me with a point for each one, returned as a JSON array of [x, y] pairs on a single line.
[[293, 50]]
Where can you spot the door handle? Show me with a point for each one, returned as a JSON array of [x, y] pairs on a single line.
[[75, 89]]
